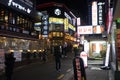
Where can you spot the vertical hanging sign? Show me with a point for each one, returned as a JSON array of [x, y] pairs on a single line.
[[94, 13]]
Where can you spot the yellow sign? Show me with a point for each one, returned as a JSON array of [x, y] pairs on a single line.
[[66, 24], [72, 27], [55, 20]]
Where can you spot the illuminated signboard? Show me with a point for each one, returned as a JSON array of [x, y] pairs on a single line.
[[57, 12], [25, 6], [72, 27], [98, 29], [66, 25], [67, 16], [37, 26], [78, 21], [100, 12], [56, 20], [85, 29], [94, 13]]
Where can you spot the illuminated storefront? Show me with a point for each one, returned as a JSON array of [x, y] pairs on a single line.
[[17, 33], [98, 49], [61, 24], [16, 21], [95, 47]]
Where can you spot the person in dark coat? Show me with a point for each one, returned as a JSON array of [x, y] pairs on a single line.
[[57, 54], [9, 65], [78, 65], [44, 55]]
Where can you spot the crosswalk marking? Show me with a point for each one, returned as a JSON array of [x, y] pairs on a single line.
[[68, 70], [61, 76], [95, 68]]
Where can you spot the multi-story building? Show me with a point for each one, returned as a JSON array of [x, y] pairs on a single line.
[[61, 23], [17, 34]]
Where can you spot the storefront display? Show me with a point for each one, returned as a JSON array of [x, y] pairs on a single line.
[[98, 49], [20, 47]]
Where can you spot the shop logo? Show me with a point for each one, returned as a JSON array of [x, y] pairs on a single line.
[[57, 12]]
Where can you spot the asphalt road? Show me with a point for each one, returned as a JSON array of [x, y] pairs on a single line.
[[43, 71], [47, 71]]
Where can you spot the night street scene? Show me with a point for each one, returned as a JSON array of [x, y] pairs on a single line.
[[59, 40]]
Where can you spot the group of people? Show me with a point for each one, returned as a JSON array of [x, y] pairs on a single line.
[[78, 68], [57, 51]]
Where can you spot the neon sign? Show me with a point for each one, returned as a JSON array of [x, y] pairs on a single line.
[[18, 6]]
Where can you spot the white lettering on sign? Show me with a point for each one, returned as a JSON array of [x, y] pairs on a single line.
[[85, 30], [18, 6], [100, 13], [67, 16]]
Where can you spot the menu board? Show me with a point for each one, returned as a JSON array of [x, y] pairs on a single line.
[[18, 56]]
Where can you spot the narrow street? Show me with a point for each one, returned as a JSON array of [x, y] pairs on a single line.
[[43, 71]]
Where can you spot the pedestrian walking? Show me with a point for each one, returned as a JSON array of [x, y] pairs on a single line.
[[9, 65], [78, 65], [57, 54], [44, 55], [65, 49]]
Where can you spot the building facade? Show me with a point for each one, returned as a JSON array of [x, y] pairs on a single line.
[[17, 34], [61, 23]]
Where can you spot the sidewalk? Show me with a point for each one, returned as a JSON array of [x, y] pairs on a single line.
[[93, 72]]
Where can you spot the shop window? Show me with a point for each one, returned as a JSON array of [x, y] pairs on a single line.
[[57, 34], [30, 25], [23, 22], [26, 22], [6, 16], [2, 14], [54, 34], [18, 19], [10, 18]]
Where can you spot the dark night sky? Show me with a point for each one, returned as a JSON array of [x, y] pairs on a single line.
[[78, 7]]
